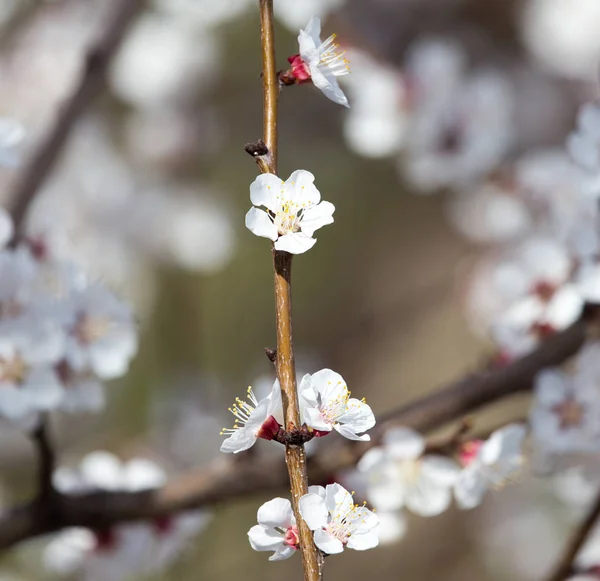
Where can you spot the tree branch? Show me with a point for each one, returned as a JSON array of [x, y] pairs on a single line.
[[227, 479], [295, 455], [90, 85], [46, 459], [565, 566]]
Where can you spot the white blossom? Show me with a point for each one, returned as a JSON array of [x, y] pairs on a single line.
[[320, 62], [565, 416], [293, 211], [124, 551], [336, 521], [399, 475], [276, 530], [328, 406], [495, 462], [253, 419], [12, 134], [583, 145]]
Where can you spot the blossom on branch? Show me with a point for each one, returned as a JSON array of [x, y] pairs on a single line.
[[327, 405], [319, 62], [292, 212], [253, 419], [12, 134], [127, 550], [336, 521], [399, 475], [276, 530], [489, 464]]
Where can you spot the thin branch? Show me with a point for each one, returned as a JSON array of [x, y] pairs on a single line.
[[295, 455], [565, 566], [91, 83], [226, 479], [46, 459]]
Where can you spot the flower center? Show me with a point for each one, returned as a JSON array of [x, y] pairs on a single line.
[[570, 413], [410, 471], [335, 407], [89, 329], [13, 370], [291, 537], [332, 58], [345, 520], [469, 451], [241, 410], [287, 219]]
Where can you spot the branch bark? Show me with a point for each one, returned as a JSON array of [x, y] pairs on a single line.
[[565, 567], [295, 455], [228, 479], [91, 83]]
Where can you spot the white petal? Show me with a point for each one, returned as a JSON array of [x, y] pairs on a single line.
[[318, 490], [142, 474], [302, 190], [404, 443], [326, 82], [276, 513], [315, 420], [338, 499], [328, 543], [313, 511], [359, 416], [264, 191], [313, 28], [363, 541], [440, 470], [427, 498], [6, 227], [392, 527], [239, 441], [259, 223], [507, 440], [264, 538], [564, 308], [283, 552], [551, 387], [14, 405], [296, 243], [102, 470], [317, 217], [469, 488], [347, 431]]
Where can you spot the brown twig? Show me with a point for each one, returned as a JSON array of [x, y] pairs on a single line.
[[227, 480], [46, 460], [565, 566], [295, 455], [90, 85]]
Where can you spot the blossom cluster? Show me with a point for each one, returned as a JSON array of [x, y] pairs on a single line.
[[61, 335], [124, 550]]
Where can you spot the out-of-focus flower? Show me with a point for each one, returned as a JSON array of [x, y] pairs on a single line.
[[392, 527], [294, 14], [253, 419], [294, 210], [328, 406], [400, 476], [490, 465], [565, 416], [203, 13], [459, 134], [162, 62], [336, 521], [489, 213], [121, 552], [375, 126], [276, 530], [12, 134], [583, 144], [319, 62], [572, 25], [6, 227], [102, 335]]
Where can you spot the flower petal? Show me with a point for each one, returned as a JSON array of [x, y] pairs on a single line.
[[440, 470], [301, 189], [470, 488], [326, 82], [239, 441], [296, 243], [363, 541], [347, 431], [276, 513], [283, 552], [313, 510], [328, 543], [317, 217], [264, 538], [315, 420], [404, 443], [259, 223], [265, 189]]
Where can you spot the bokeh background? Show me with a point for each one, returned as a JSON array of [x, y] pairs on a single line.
[[150, 196]]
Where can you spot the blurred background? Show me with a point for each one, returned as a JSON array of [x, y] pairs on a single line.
[[448, 97]]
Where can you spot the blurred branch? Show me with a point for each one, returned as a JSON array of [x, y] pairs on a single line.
[[46, 459], [227, 479], [565, 567], [91, 83]]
